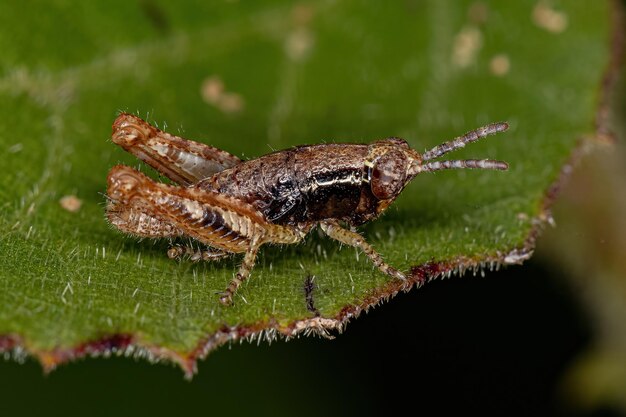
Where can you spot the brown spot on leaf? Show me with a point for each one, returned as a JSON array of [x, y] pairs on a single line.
[[71, 203], [155, 14], [478, 13], [301, 39], [213, 92], [231, 103], [212, 89], [467, 43], [547, 18], [302, 14], [500, 65], [299, 43]]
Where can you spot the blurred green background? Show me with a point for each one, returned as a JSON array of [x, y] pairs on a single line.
[[531, 340]]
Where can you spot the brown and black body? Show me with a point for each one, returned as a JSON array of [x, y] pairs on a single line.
[[304, 184], [234, 206]]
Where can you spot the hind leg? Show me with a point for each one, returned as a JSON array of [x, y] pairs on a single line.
[[217, 220], [194, 255], [183, 161], [245, 269], [134, 221], [129, 217]]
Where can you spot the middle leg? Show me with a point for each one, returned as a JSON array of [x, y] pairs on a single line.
[[177, 252], [245, 269]]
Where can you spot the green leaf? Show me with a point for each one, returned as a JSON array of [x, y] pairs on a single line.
[[314, 72]]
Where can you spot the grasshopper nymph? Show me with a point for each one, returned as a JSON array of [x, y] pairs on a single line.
[[235, 206]]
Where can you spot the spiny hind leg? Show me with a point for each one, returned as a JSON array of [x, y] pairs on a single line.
[[183, 161], [195, 255], [132, 220], [217, 220], [348, 237]]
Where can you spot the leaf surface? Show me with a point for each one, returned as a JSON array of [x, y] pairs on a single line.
[[250, 78]]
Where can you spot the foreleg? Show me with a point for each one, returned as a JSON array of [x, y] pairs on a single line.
[[335, 231], [245, 269]]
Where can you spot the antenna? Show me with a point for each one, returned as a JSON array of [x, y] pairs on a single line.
[[461, 141], [465, 163]]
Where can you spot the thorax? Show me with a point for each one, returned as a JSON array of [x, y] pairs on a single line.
[[303, 184]]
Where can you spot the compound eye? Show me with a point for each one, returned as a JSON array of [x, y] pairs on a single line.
[[388, 175]]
